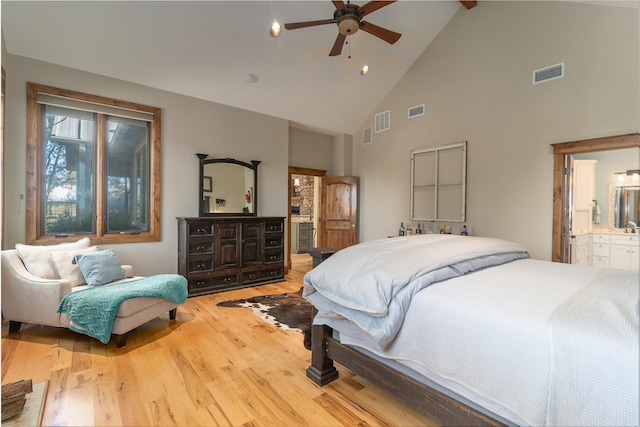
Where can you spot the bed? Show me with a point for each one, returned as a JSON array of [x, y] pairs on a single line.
[[472, 331]]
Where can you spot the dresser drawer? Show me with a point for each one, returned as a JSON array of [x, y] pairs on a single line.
[[216, 283], [625, 240], [200, 246], [600, 249], [272, 242], [200, 264], [600, 261], [200, 229], [260, 275], [273, 227], [600, 238], [273, 255]]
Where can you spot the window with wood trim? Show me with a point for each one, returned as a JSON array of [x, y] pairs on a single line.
[[93, 168]]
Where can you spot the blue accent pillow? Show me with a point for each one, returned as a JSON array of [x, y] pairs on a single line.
[[100, 268]]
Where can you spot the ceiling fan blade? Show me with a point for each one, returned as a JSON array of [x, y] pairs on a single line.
[[372, 6], [387, 35], [296, 25], [337, 46], [339, 4]]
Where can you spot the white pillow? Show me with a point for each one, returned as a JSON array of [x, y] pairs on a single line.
[[37, 261], [67, 269]]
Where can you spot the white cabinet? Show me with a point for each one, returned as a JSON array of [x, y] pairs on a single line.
[[625, 252], [600, 250], [581, 253], [584, 172]]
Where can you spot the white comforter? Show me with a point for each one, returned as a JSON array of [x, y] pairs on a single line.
[[371, 294], [538, 343]]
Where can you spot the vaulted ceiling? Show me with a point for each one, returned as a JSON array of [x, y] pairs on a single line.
[[206, 49]]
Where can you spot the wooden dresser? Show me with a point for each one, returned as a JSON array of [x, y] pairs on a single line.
[[224, 253]]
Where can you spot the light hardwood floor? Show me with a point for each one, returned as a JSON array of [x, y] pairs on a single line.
[[214, 366]]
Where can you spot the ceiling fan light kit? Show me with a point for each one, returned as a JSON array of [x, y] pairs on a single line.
[[276, 29], [348, 18]]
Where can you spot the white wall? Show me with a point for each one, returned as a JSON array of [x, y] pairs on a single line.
[[189, 126], [476, 82], [310, 150]]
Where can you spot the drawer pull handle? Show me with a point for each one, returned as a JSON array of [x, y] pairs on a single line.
[[201, 230], [273, 257], [273, 243], [200, 284], [201, 248], [227, 280], [201, 266], [252, 276], [274, 273]]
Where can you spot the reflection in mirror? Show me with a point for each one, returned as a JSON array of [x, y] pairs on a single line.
[[228, 187], [627, 206], [611, 171]]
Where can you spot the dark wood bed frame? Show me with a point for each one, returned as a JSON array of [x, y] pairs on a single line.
[[437, 406]]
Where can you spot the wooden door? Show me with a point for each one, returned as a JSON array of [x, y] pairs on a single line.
[[338, 227]]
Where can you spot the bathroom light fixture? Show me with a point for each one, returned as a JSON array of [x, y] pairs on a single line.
[[365, 70], [276, 29], [632, 175]]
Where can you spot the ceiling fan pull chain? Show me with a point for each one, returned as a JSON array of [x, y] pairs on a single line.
[[348, 40]]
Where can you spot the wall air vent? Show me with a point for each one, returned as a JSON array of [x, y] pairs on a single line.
[[416, 111], [549, 73], [383, 121], [367, 136]]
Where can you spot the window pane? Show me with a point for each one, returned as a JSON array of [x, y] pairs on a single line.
[[127, 175], [69, 171]]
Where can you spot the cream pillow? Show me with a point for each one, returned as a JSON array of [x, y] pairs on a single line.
[[37, 261], [67, 268]]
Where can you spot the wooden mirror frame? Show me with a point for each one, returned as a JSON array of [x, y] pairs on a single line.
[[254, 197], [560, 151]]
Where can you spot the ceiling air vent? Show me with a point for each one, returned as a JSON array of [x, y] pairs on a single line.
[[549, 73], [383, 121], [367, 136], [416, 111]]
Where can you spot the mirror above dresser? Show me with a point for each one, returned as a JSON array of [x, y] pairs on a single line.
[[228, 187]]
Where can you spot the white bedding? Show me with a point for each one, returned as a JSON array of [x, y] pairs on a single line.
[[516, 339], [370, 294]]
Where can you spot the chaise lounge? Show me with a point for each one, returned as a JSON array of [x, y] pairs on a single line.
[[36, 298]]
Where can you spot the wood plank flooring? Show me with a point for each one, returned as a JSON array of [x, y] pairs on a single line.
[[214, 366]]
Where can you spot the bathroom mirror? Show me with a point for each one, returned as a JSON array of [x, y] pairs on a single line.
[[627, 205], [228, 187]]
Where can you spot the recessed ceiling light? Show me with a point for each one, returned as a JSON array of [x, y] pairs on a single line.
[[276, 29], [365, 70]]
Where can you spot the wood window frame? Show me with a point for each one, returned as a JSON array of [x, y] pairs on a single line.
[[34, 232]]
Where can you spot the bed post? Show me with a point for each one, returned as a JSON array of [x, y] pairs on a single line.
[[321, 370]]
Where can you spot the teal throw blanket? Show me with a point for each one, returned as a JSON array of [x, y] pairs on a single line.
[[94, 310]]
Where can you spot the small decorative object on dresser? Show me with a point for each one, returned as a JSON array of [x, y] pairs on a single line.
[[224, 253]]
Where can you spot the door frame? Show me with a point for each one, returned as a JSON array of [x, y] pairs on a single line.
[[560, 151], [293, 170]]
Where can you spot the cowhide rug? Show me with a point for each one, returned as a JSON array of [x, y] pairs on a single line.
[[289, 312]]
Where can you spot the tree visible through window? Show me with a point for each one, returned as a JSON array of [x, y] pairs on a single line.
[[98, 171]]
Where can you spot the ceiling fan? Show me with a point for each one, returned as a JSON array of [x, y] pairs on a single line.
[[349, 19]]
